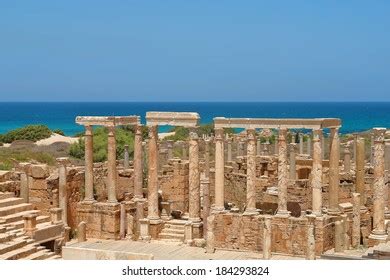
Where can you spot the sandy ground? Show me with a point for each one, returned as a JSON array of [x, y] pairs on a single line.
[[56, 138], [162, 135]]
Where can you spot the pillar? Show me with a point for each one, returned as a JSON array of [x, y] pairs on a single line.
[[126, 163], [24, 191], [258, 147], [194, 178], [356, 220], [267, 238], [82, 232], [359, 158], [170, 148], [387, 156], [282, 173], [184, 149], [323, 145], [62, 190], [308, 144], [293, 168], [138, 163], [300, 143], [355, 138], [334, 180], [88, 138], [338, 237], [219, 170], [311, 241], [30, 224], [153, 174], [276, 147], [229, 150], [347, 160], [207, 158], [122, 221], [316, 173], [55, 215], [379, 231], [251, 172], [111, 165], [210, 246], [206, 203]]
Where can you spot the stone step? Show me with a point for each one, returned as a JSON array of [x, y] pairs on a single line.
[[16, 217], [10, 201], [5, 195], [54, 257], [19, 253], [41, 254], [3, 229], [171, 236], [12, 245], [9, 210], [173, 231], [177, 222], [5, 237], [40, 220], [173, 226]]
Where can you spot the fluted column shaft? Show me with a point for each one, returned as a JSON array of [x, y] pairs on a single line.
[[334, 179], [282, 173], [251, 172], [316, 173], [300, 143], [194, 178], [138, 172], [153, 174], [293, 167], [62, 192], [88, 139], [219, 170], [111, 165], [379, 182], [207, 159], [347, 160], [359, 157]]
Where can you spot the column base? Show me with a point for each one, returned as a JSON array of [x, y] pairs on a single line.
[[88, 201], [215, 209], [195, 220], [251, 211], [283, 213], [375, 239], [334, 212], [317, 213]]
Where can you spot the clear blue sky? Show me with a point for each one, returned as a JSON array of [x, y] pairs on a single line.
[[194, 50]]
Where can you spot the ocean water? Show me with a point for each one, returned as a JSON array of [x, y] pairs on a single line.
[[355, 116]]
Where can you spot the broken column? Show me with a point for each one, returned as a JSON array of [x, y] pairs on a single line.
[[293, 168], [347, 160], [82, 232], [56, 215], [126, 159], [111, 165], [334, 180], [30, 224], [300, 143], [308, 145], [205, 184], [138, 170], [251, 173], [122, 222], [207, 158], [194, 178], [153, 174], [24, 191], [267, 235], [356, 220], [379, 231], [219, 170], [359, 158], [62, 190], [170, 148], [316, 173], [339, 237], [229, 149], [88, 139], [282, 174], [258, 147]]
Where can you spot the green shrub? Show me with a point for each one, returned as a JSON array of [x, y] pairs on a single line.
[[30, 132], [8, 157], [123, 137], [58, 131], [182, 133]]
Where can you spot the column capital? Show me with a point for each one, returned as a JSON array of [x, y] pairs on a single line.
[[88, 130], [293, 147], [193, 133], [379, 134], [251, 134], [62, 161], [138, 129], [219, 134]]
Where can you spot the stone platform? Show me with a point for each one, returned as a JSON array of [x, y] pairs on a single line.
[[123, 249]]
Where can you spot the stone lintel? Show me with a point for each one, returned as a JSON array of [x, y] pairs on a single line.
[[185, 119], [108, 121], [253, 123]]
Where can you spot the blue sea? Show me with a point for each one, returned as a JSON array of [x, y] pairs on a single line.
[[355, 116]]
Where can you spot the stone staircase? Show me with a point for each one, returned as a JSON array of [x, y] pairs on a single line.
[[14, 244], [173, 231], [380, 251]]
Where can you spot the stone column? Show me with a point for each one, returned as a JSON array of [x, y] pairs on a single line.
[[300, 143], [282, 174], [88, 138], [24, 191], [347, 160], [170, 148], [276, 147], [229, 150], [387, 156], [359, 158], [308, 143], [293, 168], [355, 138], [184, 149], [316, 173], [251, 173], [334, 179], [206, 203], [266, 148], [207, 158], [323, 145], [30, 224], [62, 190], [311, 241], [219, 170], [153, 175], [111, 165], [258, 147], [339, 237], [126, 159], [240, 148], [122, 221], [82, 232], [194, 178], [372, 143], [379, 231], [356, 220], [55, 216], [138, 162], [267, 235]]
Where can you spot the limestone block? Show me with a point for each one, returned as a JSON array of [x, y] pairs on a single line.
[[39, 171]]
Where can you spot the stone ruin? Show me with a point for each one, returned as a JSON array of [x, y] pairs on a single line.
[[292, 197]]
